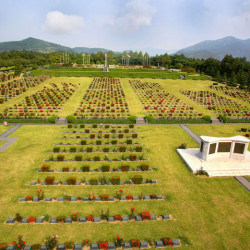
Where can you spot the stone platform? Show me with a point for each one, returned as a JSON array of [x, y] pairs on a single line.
[[215, 167]]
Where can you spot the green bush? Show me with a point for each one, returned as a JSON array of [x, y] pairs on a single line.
[[85, 168], [137, 179], [78, 157], [93, 181], [49, 180], [61, 218], [115, 180], [138, 149], [72, 149], [207, 118], [105, 168], [125, 168], [223, 118], [83, 142], [60, 157], [56, 149], [132, 118], [71, 180], [52, 119], [144, 167], [71, 119], [82, 126], [70, 125]]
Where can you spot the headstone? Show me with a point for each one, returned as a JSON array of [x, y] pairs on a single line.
[[97, 219], [123, 198], [135, 198], [82, 220], [10, 248], [73, 199], [43, 247], [153, 182], [22, 199], [146, 198], [176, 243], [39, 220], [85, 199], [33, 183], [27, 248], [127, 245], [24, 220], [10, 221], [143, 244], [48, 199], [111, 198], [153, 217], [68, 220], [111, 219], [53, 220], [138, 218], [78, 247], [159, 243], [111, 246], [165, 217], [94, 246], [97, 198], [60, 199], [159, 197], [125, 218], [60, 247]]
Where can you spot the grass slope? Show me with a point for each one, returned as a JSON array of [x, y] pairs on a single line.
[[210, 212]]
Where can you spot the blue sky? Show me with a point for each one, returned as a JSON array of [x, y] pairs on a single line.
[[124, 24]]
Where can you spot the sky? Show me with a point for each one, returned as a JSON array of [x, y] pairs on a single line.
[[124, 24]]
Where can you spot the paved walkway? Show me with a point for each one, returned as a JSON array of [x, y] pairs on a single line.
[[9, 141], [191, 133], [243, 181]]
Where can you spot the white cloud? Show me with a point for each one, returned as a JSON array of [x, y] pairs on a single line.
[[137, 13], [58, 23]]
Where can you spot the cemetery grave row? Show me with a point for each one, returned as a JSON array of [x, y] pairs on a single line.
[[104, 98], [159, 103], [43, 103], [6, 77], [119, 242], [240, 94], [17, 87], [218, 104]]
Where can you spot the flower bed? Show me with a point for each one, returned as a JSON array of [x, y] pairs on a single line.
[[159, 103], [104, 98]]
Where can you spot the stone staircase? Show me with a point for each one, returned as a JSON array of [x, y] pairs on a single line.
[[61, 121], [140, 121], [215, 120], [228, 172]]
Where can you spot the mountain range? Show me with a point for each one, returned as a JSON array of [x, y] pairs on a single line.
[[211, 48], [218, 48]]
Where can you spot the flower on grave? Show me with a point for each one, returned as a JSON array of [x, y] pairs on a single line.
[[167, 241]]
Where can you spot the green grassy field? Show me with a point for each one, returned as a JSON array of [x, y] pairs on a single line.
[[4, 128], [123, 73], [208, 213]]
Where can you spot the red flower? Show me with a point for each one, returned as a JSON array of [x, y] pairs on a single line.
[[13, 242]]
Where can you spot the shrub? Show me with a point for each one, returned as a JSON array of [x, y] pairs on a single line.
[[56, 149], [138, 149], [90, 217], [144, 167], [52, 119], [60, 157], [132, 118], [61, 218], [31, 219], [146, 215], [115, 180], [207, 118], [49, 180], [182, 146], [65, 169], [71, 180], [125, 168], [89, 149], [129, 141], [106, 149], [114, 142], [18, 217], [131, 125], [75, 216], [51, 242], [153, 196], [83, 142], [78, 157], [71, 119], [97, 158], [132, 157], [69, 245], [98, 142], [45, 168], [85, 168], [103, 245], [201, 171], [29, 198], [137, 179], [150, 118], [82, 126], [92, 136], [134, 135], [223, 118], [120, 136], [104, 197], [72, 149], [3, 245], [122, 149], [118, 241], [167, 241], [70, 126], [105, 168], [117, 217], [19, 244], [93, 181], [135, 243], [129, 197]]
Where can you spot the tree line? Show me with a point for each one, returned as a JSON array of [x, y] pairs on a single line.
[[230, 70]]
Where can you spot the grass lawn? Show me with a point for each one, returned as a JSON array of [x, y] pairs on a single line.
[[210, 212], [2, 142], [220, 130]]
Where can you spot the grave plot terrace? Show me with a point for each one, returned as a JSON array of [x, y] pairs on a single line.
[[43, 103], [17, 87], [105, 98], [159, 103], [218, 104], [237, 94]]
